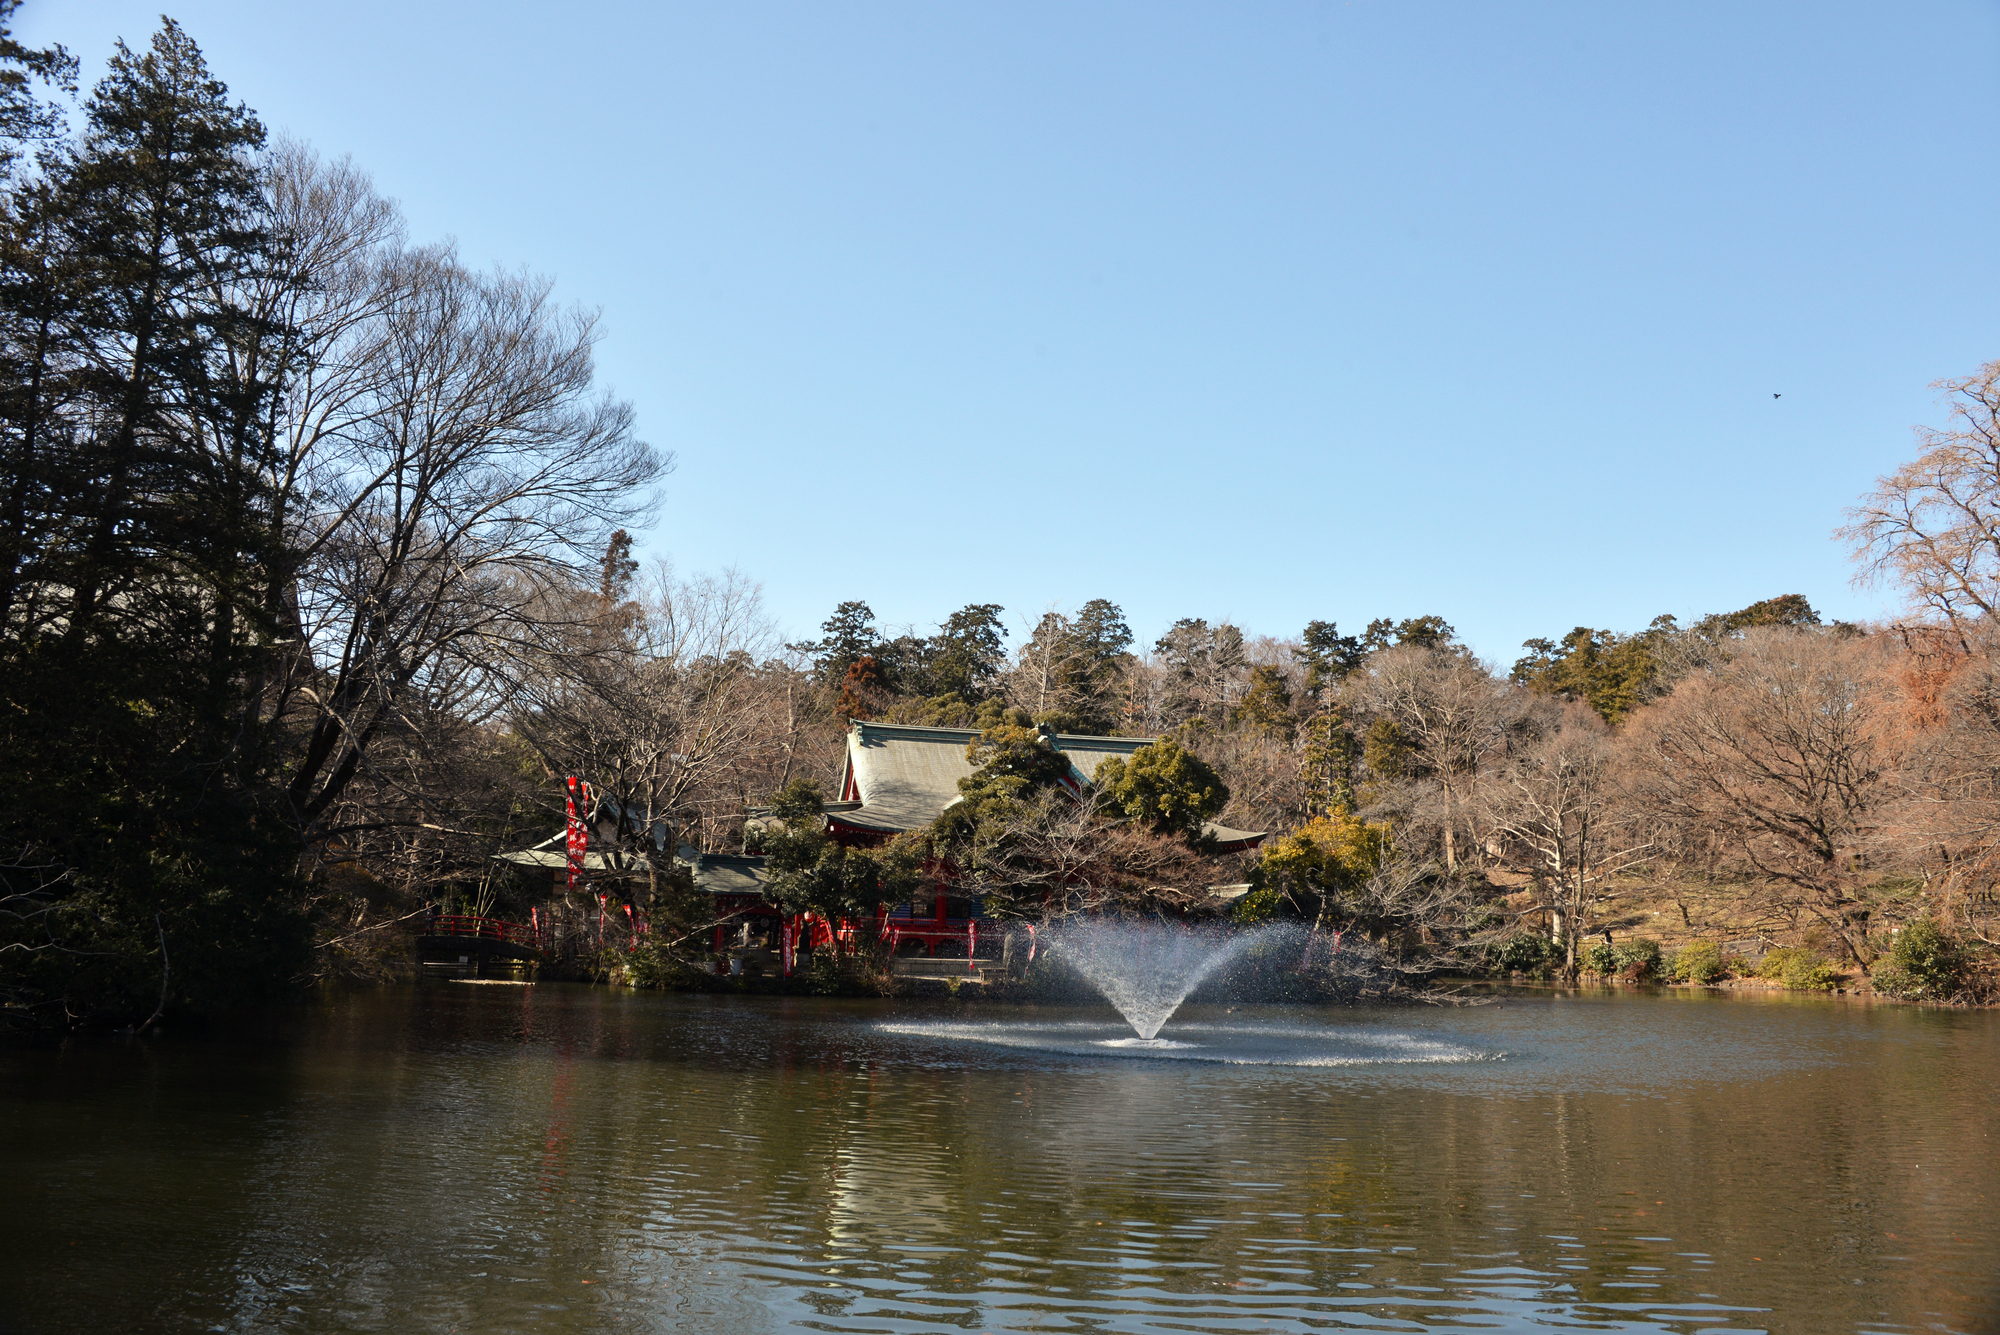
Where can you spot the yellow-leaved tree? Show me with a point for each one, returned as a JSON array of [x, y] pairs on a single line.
[[1320, 870]]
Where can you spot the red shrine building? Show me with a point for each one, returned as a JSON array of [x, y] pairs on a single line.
[[895, 778], [898, 777]]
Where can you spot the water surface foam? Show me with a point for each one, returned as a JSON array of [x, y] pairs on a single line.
[[1227, 1044]]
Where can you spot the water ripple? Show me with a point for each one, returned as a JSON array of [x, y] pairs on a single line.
[[1230, 1045]]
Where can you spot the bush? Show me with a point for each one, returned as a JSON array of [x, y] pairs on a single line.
[[652, 965], [1527, 953], [1776, 959], [1927, 963], [1698, 962], [1260, 905], [1811, 975], [1598, 958], [1639, 957], [1799, 969], [861, 974]]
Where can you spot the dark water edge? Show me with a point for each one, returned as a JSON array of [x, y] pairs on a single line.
[[564, 1158]]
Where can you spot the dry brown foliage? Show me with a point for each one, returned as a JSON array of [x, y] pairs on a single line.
[[1933, 525], [1783, 758]]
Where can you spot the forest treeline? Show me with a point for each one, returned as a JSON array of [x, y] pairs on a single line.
[[316, 579]]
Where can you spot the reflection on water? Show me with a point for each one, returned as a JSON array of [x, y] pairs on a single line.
[[568, 1159], [1271, 1043]]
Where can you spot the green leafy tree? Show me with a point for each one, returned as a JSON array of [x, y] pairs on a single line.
[[1321, 869], [1388, 752], [1328, 753], [1698, 962], [1012, 758], [1165, 785], [1615, 673], [948, 711], [987, 836], [1789, 609], [1425, 632], [1607, 671], [1926, 963], [807, 871], [1266, 705], [965, 656]]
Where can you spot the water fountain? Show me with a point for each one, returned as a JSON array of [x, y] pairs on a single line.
[[1147, 970]]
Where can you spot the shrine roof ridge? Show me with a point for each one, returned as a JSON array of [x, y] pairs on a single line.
[[918, 732]]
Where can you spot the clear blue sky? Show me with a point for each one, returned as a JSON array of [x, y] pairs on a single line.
[[1270, 312]]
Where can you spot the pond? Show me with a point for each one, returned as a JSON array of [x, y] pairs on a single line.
[[555, 1158]]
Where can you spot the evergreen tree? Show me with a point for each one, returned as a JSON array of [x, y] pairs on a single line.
[[1168, 787], [1607, 671], [1267, 702], [1071, 666], [1328, 656], [614, 583], [810, 872], [1614, 674], [139, 529], [1427, 632], [1790, 609], [965, 655], [848, 634], [24, 119]]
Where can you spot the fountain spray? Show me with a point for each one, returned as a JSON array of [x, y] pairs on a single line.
[[1146, 970]]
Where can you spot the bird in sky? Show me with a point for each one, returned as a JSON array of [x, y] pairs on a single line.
[[1777, 396]]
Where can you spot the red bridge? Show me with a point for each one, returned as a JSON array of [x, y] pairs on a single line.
[[453, 941]]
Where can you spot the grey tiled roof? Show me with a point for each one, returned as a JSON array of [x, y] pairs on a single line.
[[726, 873], [905, 775], [553, 854]]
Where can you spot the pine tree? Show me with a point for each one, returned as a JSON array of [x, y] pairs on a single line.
[[965, 655], [140, 538]]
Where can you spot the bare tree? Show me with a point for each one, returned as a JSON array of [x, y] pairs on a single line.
[[1933, 525], [1056, 855], [1780, 756], [680, 723], [1946, 813], [1052, 671], [1069, 667], [466, 477], [1448, 715], [1558, 815], [1202, 669]]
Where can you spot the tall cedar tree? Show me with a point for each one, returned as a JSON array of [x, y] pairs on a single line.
[[144, 869]]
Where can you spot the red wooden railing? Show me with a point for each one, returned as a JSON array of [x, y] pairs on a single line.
[[491, 929]]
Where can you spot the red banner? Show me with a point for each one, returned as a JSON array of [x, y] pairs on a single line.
[[578, 842]]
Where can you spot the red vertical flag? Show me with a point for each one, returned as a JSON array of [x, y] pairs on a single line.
[[579, 833]]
